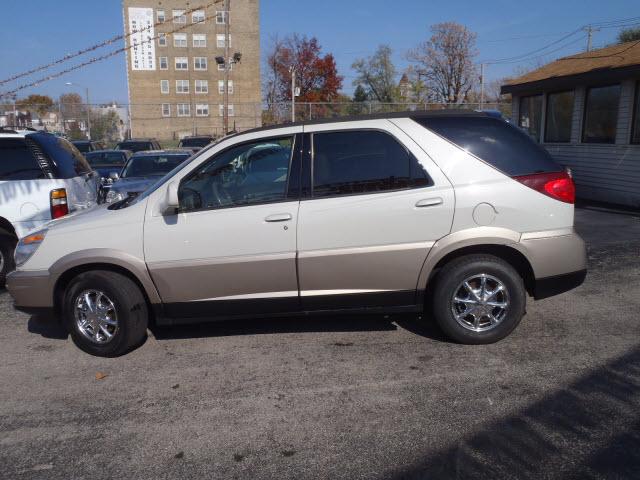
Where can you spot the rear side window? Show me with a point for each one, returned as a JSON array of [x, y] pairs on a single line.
[[494, 141], [66, 158], [363, 161], [17, 162]]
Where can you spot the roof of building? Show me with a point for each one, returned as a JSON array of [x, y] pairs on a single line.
[[601, 63]]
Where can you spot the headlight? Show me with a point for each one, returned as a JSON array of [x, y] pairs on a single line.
[[27, 246], [115, 196]]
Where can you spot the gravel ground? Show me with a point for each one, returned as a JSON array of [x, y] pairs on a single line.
[[348, 397]]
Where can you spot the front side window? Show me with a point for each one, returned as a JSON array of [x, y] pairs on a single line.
[[363, 161], [247, 174], [531, 115], [559, 117], [180, 40], [601, 114]]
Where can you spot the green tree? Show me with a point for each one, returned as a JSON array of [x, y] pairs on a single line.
[[377, 74], [38, 104], [629, 35], [360, 95], [104, 126]]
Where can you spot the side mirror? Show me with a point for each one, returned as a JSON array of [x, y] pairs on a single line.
[[171, 202]]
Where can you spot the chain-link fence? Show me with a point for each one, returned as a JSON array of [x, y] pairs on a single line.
[[169, 122]]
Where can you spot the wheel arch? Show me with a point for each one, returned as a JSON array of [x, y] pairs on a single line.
[[7, 226]]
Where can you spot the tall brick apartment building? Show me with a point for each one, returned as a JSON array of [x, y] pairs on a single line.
[[176, 88]]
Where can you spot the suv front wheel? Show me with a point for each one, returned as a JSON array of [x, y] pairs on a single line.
[[478, 299], [105, 313]]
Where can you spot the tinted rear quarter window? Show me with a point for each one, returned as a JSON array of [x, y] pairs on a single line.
[[17, 162], [66, 158], [363, 161], [494, 141]]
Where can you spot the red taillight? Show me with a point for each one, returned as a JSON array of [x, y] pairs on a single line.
[[58, 201], [558, 185]]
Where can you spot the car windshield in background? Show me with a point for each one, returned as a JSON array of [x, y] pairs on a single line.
[[84, 147], [195, 142], [105, 159], [148, 165], [135, 146]]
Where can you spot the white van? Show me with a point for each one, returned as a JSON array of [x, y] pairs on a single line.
[[42, 177], [457, 213]]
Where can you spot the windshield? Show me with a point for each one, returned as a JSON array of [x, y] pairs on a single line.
[[195, 142], [135, 146], [105, 159], [148, 165], [84, 147]]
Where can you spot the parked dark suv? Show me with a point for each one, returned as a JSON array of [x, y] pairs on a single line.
[[86, 146], [139, 145]]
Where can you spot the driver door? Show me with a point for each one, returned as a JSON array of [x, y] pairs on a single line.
[[231, 249]]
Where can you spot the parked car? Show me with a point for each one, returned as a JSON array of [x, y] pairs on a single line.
[[139, 145], [42, 177], [86, 146], [454, 213], [142, 170], [108, 164], [196, 143]]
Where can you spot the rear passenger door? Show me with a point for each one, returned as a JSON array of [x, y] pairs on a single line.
[[375, 206]]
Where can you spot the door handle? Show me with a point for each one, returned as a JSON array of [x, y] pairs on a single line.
[[429, 202], [278, 217]]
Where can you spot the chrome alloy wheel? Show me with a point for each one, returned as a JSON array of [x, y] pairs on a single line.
[[96, 316], [480, 303]]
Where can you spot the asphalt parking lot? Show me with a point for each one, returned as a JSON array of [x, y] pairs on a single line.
[[359, 397]]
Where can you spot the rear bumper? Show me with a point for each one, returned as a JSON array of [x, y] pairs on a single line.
[[31, 290], [550, 286]]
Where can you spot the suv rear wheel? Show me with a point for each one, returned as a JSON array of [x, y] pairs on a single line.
[[105, 313], [478, 299], [7, 248]]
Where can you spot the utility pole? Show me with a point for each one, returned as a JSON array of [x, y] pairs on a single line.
[[590, 31], [88, 114], [227, 66], [292, 69], [481, 86]]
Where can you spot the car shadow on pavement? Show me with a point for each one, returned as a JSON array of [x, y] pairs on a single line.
[[299, 324], [588, 429], [48, 327]]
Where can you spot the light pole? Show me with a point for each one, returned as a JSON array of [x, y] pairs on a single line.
[[227, 62], [292, 70], [88, 106]]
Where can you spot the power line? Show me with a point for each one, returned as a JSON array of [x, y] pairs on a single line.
[[95, 47], [93, 60]]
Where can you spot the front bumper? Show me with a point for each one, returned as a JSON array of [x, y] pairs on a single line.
[[32, 290]]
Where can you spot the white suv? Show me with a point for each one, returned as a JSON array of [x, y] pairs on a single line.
[[42, 177], [457, 213]]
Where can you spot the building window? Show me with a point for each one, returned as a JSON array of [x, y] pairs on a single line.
[[199, 40], [182, 86], [182, 63], [220, 40], [179, 39], [221, 66], [162, 40], [221, 87], [221, 110], [160, 16], [559, 117], [199, 63], [601, 114], [202, 110], [221, 17], [202, 86], [531, 115], [184, 110], [635, 130], [166, 110], [164, 86], [198, 16], [164, 63], [179, 16]]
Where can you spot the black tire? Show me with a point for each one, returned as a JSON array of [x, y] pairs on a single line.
[[130, 307], [7, 248], [454, 274]]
